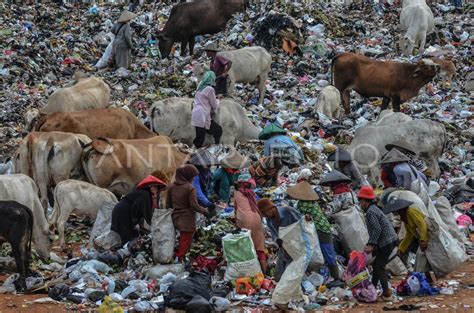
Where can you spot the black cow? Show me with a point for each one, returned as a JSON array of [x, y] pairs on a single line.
[[16, 227]]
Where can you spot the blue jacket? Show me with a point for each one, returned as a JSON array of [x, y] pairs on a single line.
[[202, 197]]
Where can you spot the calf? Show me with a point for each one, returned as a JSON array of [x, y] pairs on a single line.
[[396, 82], [70, 195], [329, 101], [447, 70], [16, 227]]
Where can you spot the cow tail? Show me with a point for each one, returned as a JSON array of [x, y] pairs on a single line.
[[332, 67], [56, 208]]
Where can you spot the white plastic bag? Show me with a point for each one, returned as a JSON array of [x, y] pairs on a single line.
[[395, 264], [444, 253], [162, 236], [421, 262], [241, 257], [102, 221], [108, 241], [317, 260], [104, 60], [446, 213], [352, 229], [299, 240]]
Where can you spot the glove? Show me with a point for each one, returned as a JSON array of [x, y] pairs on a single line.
[[279, 242]]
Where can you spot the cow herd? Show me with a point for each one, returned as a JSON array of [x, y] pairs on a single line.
[[82, 153]]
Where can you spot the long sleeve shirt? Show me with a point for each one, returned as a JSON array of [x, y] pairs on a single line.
[[205, 103], [415, 228], [201, 196], [381, 231], [288, 216]]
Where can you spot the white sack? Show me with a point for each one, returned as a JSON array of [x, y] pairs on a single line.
[[352, 229], [299, 240], [162, 236]]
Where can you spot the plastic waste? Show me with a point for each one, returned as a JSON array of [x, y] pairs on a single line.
[[316, 279], [109, 306], [127, 291], [220, 304], [158, 271]]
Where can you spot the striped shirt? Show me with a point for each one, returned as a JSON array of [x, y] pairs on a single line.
[[381, 232]]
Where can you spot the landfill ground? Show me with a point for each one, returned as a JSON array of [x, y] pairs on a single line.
[[42, 47], [461, 301]]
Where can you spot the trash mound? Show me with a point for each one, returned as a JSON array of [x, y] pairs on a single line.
[[44, 45]]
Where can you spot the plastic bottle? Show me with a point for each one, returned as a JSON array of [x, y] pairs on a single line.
[[127, 291]]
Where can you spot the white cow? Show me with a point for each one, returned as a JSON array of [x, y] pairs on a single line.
[[249, 65], [425, 136], [49, 158], [416, 20], [172, 117], [388, 117], [86, 94], [74, 195], [329, 102], [22, 189]]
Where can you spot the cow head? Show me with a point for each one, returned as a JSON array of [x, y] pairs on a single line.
[[426, 69], [199, 71], [164, 44], [406, 45], [31, 118]]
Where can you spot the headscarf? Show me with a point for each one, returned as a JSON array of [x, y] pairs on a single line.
[[209, 79], [185, 174], [246, 188]]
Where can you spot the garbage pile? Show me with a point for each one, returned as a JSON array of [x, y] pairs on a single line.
[[43, 46]]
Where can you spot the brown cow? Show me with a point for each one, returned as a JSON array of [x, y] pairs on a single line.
[[119, 165], [195, 18], [393, 81], [110, 123]]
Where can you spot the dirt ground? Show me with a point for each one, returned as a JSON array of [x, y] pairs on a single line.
[[461, 301]]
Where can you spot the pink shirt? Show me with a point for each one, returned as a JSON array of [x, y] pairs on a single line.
[[205, 103]]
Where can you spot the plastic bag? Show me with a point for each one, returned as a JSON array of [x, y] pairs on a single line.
[[159, 271], [396, 267], [357, 278], [220, 304], [352, 229], [104, 60], [241, 257], [446, 213], [182, 291], [299, 240], [414, 284], [444, 253], [198, 304], [421, 262], [317, 260], [109, 306], [102, 221], [162, 234], [108, 241]]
